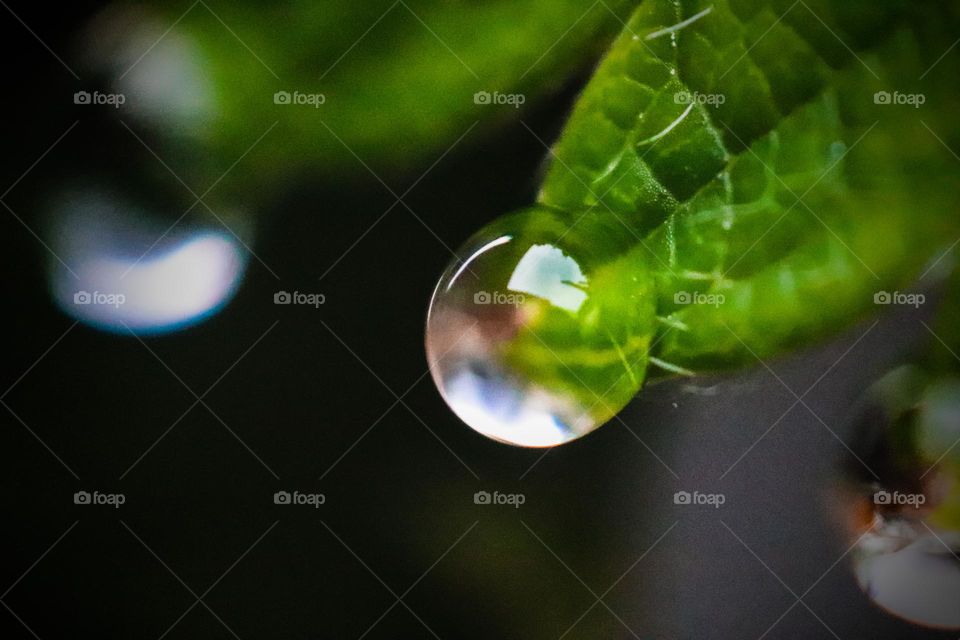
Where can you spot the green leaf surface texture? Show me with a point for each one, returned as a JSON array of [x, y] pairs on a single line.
[[741, 150]]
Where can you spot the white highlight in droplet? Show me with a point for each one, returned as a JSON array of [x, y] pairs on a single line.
[[117, 281]]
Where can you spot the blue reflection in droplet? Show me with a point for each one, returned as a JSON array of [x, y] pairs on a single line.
[[119, 271]]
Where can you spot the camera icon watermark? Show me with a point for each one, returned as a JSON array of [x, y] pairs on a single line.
[[114, 100], [96, 498], [914, 100], [297, 498], [515, 100], [897, 499], [695, 297], [496, 498], [310, 299], [685, 498], [115, 300], [314, 100], [915, 300]]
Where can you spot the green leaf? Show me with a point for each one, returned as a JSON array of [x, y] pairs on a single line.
[[739, 154], [784, 191]]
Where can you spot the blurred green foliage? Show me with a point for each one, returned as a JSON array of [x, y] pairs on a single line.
[[397, 79]]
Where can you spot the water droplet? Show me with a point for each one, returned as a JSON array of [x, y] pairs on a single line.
[[117, 270], [539, 333], [906, 524], [912, 572]]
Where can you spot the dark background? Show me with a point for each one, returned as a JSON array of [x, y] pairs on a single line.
[[303, 411]]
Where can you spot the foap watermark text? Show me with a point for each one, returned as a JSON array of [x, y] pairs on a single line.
[[695, 97], [497, 297], [515, 100], [310, 299], [299, 99], [512, 499], [114, 100], [695, 297], [301, 499], [99, 298], [97, 498], [915, 300], [715, 500], [897, 499], [910, 99]]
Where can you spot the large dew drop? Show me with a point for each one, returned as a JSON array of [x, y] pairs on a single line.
[[537, 334]]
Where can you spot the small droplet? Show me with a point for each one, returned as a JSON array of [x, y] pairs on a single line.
[[911, 571], [116, 269], [906, 524], [539, 333]]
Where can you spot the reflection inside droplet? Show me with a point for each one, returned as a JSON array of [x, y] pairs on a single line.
[[546, 272], [535, 337], [117, 271]]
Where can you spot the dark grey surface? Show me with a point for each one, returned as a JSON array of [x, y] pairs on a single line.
[[737, 571]]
